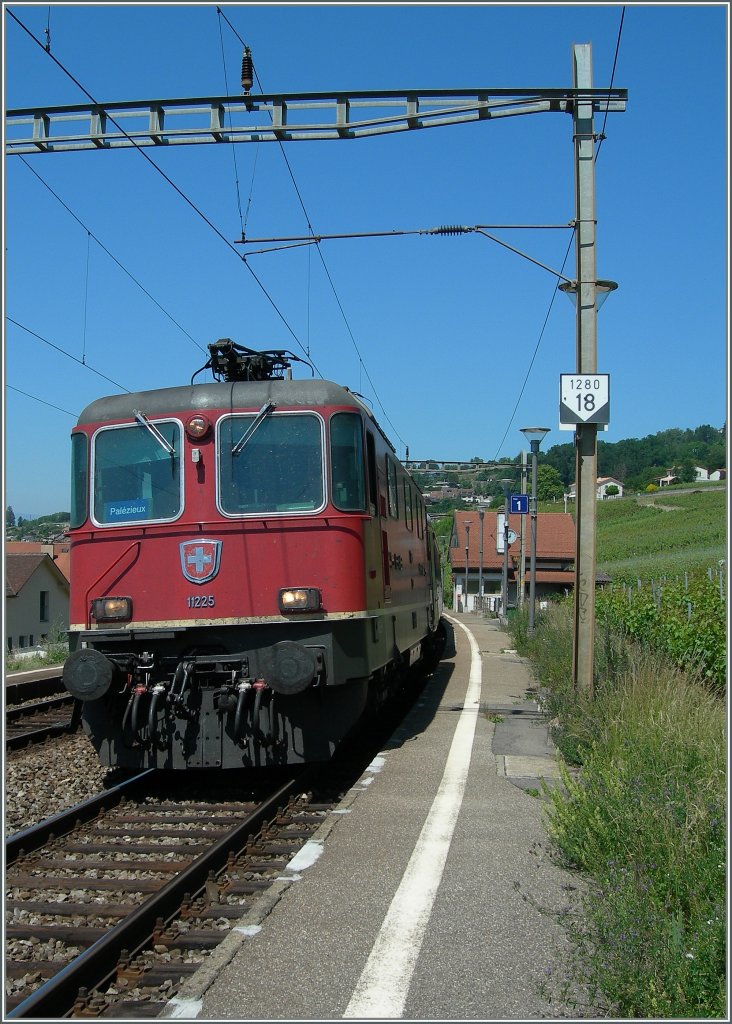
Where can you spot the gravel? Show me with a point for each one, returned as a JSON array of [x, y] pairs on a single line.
[[48, 778]]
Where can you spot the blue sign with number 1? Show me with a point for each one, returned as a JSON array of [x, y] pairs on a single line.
[[519, 504]]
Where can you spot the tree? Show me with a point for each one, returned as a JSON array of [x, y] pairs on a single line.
[[688, 473], [548, 483], [9, 516]]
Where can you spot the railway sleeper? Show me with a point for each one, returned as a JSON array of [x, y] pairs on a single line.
[[65, 909], [72, 884], [36, 969], [155, 866], [69, 934]]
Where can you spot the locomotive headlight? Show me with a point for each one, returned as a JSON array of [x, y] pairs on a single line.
[[197, 427], [300, 599], [112, 609]]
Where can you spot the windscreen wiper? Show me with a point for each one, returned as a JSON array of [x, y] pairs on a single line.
[[258, 420], [162, 441]]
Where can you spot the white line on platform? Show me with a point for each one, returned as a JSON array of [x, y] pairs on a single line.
[[384, 984]]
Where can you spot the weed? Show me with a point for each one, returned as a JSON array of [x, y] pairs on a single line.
[[53, 651]]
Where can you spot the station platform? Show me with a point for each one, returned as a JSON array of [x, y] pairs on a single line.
[[428, 894]]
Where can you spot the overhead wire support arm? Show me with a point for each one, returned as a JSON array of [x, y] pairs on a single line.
[[278, 117]]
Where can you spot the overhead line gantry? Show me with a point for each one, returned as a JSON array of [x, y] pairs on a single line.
[[279, 117]]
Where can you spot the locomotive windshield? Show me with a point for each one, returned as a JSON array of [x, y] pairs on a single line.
[[279, 469], [135, 477]]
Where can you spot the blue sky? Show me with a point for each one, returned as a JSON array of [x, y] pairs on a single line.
[[446, 328]]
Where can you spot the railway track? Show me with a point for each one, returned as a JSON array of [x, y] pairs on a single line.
[[37, 710], [111, 905]]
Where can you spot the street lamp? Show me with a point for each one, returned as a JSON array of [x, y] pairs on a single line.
[[602, 290], [534, 435], [467, 548]]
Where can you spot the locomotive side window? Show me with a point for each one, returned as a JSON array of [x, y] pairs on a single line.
[[348, 485], [79, 479], [279, 468], [393, 488], [373, 483], [137, 476], [408, 515]]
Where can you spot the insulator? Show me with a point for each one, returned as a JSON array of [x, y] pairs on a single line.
[[451, 229], [247, 70]]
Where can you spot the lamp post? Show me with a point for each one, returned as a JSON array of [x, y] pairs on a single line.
[[534, 435], [521, 595], [467, 549], [481, 516]]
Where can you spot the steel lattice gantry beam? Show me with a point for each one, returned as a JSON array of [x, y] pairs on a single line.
[[279, 117]]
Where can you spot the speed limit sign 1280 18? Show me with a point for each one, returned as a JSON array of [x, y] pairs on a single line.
[[584, 398]]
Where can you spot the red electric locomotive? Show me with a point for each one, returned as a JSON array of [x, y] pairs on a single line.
[[252, 568]]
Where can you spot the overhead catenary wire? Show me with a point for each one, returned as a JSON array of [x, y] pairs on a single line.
[[111, 255], [533, 358], [35, 398], [173, 185], [86, 295], [63, 351], [612, 79]]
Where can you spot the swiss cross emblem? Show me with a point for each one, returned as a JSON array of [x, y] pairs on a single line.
[[199, 559]]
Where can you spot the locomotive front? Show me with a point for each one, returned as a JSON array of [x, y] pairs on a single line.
[[225, 569]]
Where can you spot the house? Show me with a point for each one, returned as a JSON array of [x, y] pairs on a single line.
[[555, 549], [603, 483], [58, 550], [36, 599], [703, 474], [700, 475], [606, 482]]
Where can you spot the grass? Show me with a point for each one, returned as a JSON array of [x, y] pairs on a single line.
[[643, 819]]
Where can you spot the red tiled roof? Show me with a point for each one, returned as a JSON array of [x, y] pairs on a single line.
[[555, 537], [61, 556], [62, 562]]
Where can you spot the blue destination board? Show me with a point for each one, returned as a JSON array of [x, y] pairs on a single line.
[[115, 511]]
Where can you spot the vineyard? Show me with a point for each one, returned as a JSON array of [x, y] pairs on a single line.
[[684, 620], [666, 556]]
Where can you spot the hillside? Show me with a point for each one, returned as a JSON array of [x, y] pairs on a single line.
[[664, 534], [639, 462], [44, 529]]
